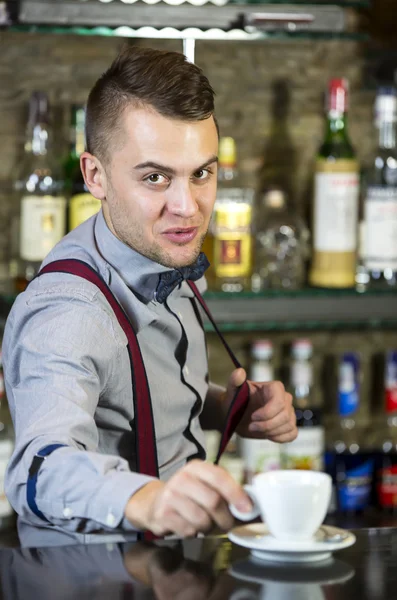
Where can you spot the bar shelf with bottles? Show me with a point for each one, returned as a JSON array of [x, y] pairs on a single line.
[[346, 410], [194, 19], [259, 245]]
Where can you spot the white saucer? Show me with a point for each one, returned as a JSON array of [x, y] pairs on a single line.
[[264, 546]]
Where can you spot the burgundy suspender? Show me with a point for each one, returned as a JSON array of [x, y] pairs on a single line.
[[146, 453], [241, 397]]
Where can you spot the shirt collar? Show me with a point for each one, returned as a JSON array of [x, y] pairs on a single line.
[[141, 274]]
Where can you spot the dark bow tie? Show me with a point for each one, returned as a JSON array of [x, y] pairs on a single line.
[[170, 279]]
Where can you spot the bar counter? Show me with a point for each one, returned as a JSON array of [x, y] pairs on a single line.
[[206, 568]]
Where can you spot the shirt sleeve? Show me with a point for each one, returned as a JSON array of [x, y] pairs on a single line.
[[59, 352]]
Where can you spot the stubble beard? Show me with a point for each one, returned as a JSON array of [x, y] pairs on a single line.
[[134, 238]]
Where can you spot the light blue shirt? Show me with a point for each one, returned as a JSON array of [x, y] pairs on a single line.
[[68, 381]]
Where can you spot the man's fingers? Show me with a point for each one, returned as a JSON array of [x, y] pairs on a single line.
[[278, 401], [285, 437], [193, 515], [286, 417], [223, 483], [210, 500]]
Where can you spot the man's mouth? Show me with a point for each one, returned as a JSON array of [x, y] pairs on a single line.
[[181, 235]]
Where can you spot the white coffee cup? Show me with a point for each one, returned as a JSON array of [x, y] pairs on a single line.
[[293, 503]]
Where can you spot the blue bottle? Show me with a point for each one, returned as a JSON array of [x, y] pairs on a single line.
[[350, 465]]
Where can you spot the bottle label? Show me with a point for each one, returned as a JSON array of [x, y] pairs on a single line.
[[42, 225], [6, 448], [380, 228], [82, 207], [259, 456], [306, 451], [232, 255], [301, 373], [387, 487], [354, 492], [336, 207], [261, 371]]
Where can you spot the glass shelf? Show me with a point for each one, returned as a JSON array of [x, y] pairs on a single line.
[[192, 33], [308, 309]]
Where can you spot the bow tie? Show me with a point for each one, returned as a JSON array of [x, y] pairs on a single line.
[[170, 279]]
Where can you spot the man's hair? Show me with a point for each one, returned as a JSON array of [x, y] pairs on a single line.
[[164, 81]]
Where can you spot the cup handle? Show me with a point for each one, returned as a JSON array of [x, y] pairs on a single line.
[[247, 516]]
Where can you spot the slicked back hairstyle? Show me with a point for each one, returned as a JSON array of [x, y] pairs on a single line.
[[164, 81]]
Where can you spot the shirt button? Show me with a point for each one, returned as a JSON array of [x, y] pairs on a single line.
[[67, 513], [110, 520], [186, 370], [180, 316]]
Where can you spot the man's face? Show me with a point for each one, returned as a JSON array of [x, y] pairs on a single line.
[[161, 185]]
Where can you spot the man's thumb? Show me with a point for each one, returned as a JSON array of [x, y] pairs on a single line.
[[236, 379]]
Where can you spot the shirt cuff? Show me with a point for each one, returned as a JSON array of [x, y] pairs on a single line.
[[113, 497]]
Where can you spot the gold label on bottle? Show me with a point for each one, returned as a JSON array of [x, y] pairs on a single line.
[[232, 240], [232, 255], [82, 207], [42, 225]]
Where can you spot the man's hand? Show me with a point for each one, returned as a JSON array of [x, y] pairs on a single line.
[[269, 414], [194, 500]]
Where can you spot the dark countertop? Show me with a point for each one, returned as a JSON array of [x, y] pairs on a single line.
[[210, 568]]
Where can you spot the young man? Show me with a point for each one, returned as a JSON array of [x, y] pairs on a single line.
[[73, 377]]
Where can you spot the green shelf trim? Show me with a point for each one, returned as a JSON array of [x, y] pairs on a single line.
[[302, 293], [302, 326], [198, 34]]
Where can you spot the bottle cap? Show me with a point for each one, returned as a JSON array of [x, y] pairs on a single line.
[[302, 349], [227, 152], [337, 99], [262, 350]]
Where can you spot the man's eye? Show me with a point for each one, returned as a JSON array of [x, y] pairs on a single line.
[[202, 174], [156, 178]]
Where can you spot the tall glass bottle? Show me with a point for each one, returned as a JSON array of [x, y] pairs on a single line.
[[231, 225], [82, 205], [336, 195], [307, 450], [281, 244], [260, 455], [386, 441], [41, 195], [378, 229], [349, 462]]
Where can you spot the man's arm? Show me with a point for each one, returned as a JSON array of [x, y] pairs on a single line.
[[60, 350]]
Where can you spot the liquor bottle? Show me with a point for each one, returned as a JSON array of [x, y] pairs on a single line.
[[350, 463], [378, 228], [281, 244], [307, 450], [231, 225], [386, 459], [260, 455], [82, 205], [40, 191], [7, 515], [336, 196]]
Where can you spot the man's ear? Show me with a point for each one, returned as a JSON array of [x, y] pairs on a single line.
[[94, 175]]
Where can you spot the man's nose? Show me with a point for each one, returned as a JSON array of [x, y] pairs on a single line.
[[182, 201]]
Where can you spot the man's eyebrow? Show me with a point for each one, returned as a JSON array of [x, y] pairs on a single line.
[[170, 170]]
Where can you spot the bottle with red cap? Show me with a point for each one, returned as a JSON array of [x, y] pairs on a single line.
[[335, 210]]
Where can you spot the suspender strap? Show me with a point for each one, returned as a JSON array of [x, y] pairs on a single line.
[[32, 478], [146, 453], [241, 397]]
